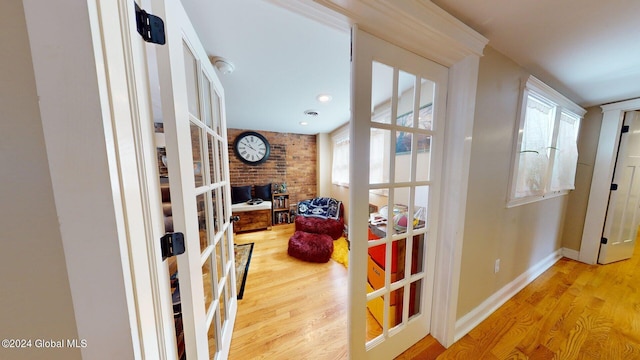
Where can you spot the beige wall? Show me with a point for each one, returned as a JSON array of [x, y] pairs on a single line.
[[324, 153], [579, 198], [342, 193], [36, 297], [521, 236]]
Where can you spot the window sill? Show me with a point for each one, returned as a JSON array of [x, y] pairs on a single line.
[[531, 199]]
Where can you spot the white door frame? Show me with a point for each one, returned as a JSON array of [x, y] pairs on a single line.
[[613, 116]]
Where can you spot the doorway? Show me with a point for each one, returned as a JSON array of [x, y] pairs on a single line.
[[608, 142], [621, 221], [462, 60], [460, 54]]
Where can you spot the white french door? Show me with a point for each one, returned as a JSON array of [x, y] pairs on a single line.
[[396, 149], [621, 222], [194, 124]]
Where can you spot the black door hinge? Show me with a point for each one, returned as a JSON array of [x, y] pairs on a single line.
[[604, 240], [625, 129], [614, 187], [172, 244], [150, 27]]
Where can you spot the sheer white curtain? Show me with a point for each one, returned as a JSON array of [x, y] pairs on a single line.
[[340, 164], [535, 148], [379, 152], [545, 162], [566, 153], [378, 157]]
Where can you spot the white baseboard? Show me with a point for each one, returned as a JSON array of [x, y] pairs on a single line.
[[480, 313], [571, 254]]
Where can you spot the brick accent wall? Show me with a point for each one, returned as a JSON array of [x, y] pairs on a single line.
[[293, 160]]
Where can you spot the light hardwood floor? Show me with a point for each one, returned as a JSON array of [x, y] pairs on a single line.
[[290, 309], [572, 311], [297, 310]]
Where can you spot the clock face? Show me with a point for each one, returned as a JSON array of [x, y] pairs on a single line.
[[252, 148]]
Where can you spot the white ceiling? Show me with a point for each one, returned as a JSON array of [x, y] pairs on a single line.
[[589, 50], [283, 61]]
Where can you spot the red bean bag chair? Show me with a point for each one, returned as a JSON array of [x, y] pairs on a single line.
[[310, 247], [331, 227]]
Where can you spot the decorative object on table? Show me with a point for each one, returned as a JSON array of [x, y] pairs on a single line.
[[242, 254], [399, 217], [252, 148], [283, 187]]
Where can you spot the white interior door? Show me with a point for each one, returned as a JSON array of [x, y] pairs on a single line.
[[396, 158], [198, 175], [621, 223]]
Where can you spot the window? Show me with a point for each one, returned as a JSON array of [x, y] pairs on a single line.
[[340, 164], [379, 146], [378, 153], [379, 158], [546, 152]]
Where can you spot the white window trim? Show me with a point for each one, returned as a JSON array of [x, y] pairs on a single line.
[[563, 104]]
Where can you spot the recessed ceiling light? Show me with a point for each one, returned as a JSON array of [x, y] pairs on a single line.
[[324, 98], [304, 123]]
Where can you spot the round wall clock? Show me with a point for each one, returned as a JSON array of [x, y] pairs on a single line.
[[252, 148]]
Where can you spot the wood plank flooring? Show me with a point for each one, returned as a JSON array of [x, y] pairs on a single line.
[[572, 311], [297, 310], [291, 309]]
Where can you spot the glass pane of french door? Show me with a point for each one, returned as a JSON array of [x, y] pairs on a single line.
[[401, 126], [399, 183]]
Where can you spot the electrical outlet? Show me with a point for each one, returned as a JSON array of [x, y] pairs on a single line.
[[496, 267]]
